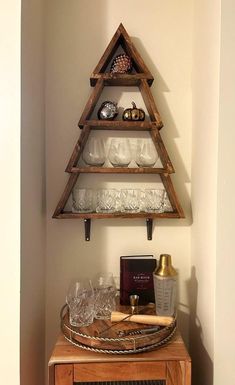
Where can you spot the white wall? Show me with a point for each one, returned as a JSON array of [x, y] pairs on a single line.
[[204, 185], [10, 189], [33, 224], [77, 35], [225, 263]]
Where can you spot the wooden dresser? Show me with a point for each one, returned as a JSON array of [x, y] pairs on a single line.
[[169, 365]]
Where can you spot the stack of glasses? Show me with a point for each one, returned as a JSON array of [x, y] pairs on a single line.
[[91, 299], [88, 200]]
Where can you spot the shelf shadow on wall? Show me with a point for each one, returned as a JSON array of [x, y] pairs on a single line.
[[169, 131], [202, 365]]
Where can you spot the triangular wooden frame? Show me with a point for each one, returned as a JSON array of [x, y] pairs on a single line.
[[143, 79], [121, 38]]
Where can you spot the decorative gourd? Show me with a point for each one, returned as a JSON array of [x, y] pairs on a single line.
[[108, 110], [133, 113]]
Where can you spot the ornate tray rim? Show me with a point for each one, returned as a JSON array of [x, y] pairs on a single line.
[[132, 339]]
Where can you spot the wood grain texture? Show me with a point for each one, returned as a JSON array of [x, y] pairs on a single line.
[[150, 103], [70, 215], [166, 180], [122, 80], [119, 125], [77, 152], [64, 374], [91, 103], [65, 196], [120, 371], [161, 150], [119, 170]]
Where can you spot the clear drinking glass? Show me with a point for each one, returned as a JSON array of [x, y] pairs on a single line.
[[106, 200], [80, 299], [146, 154], [83, 200], [94, 152], [130, 200], [105, 293], [167, 204], [154, 200], [120, 152]]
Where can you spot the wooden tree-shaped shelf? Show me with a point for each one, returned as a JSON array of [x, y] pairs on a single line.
[[100, 78]]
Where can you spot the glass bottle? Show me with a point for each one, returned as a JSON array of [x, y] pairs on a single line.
[[164, 278]]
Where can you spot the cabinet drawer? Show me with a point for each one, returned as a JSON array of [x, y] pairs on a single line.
[[118, 371]]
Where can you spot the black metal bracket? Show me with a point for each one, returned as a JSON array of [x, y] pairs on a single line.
[[87, 224], [149, 224]]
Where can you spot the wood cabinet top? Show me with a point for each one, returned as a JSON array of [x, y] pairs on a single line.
[[65, 352]]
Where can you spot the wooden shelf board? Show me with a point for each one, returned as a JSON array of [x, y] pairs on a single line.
[[70, 215], [120, 125], [120, 79], [119, 170]]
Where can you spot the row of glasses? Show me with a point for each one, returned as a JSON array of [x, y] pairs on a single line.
[[88, 299], [120, 152], [124, 200]]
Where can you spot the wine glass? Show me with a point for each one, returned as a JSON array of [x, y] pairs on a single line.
[[120, 152], [146, 154], [94, 152]]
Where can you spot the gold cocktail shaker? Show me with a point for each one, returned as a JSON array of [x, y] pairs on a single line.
[[165, 279]]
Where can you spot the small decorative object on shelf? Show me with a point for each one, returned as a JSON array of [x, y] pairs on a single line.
[[121, 64], [107, 111], [164, 278], [133, 114]]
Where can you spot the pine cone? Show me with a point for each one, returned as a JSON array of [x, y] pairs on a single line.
[[121, 64]]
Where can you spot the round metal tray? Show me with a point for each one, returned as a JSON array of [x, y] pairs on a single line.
[[101, 337]]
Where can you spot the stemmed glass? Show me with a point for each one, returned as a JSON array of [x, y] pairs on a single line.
[[94, 152]]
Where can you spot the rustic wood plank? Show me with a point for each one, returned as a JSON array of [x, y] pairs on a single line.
[[65, 196], [51, 374], [64, 374], [116, 79], [166, 180], [78, 148], [70, 215], [108, 53], [173, 373], [188, 372], [119, 371], [161, 150], [91, 103], [150, 103], [132, 51], [119, 170], [120, 125]]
